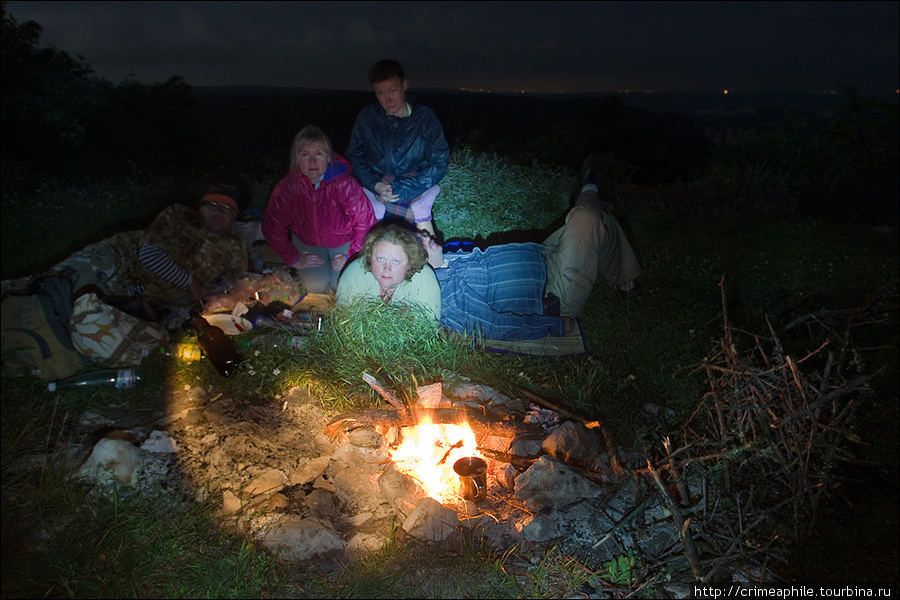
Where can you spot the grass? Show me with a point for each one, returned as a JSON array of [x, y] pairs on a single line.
[[485, 194], [644, 348], [471, 570], [129, 546], [69, 215]]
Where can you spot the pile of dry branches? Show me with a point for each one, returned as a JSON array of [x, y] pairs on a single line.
[[763, 447]]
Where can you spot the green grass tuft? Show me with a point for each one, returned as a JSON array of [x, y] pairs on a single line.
[[398, 344], [483, 194]]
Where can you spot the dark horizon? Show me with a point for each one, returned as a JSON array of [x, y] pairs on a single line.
[[494, 47], [686, 103]]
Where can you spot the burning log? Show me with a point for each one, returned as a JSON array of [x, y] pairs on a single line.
[[519, 462], [494, 430], [483, 425]]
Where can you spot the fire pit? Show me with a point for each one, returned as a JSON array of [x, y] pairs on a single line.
[[328, 488]]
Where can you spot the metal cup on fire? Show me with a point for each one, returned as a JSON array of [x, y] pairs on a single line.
[[472, 473]]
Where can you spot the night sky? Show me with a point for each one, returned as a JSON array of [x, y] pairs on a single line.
[[571, 47]]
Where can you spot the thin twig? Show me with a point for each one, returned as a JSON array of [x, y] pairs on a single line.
[[682, 525]]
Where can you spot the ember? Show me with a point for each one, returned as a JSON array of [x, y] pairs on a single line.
[[428, 452]]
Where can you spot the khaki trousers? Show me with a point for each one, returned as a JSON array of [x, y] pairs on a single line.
[[590, 242]]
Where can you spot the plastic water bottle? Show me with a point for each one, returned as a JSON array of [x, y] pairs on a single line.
[[276, 341], [217, 346], [121, 379]]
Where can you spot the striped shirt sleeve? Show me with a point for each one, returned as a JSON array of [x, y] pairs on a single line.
[[158, 262]]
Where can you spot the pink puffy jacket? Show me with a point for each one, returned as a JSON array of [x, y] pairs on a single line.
[[330, 216]]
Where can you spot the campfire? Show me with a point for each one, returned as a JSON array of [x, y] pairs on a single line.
[[428, 453]]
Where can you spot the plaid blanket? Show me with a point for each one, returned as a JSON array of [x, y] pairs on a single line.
[[400, 210], [569, 345]]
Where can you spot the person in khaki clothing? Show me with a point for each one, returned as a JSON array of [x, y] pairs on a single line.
[[590, 243], [531, 291]]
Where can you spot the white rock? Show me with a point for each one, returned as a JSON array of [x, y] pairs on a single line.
[[272, 480], [548, 484], [112, 460], [431, 396], [295, 538], [159, 441], [310, 470]]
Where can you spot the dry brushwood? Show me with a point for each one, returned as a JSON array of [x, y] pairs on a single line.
[[762, 448]]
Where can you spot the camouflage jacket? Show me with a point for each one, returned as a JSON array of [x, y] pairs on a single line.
[[207, 257]]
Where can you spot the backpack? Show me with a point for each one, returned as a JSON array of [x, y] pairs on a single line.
[[35, 331], [108, 335]]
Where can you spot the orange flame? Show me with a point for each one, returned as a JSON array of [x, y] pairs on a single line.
[[428, 452]]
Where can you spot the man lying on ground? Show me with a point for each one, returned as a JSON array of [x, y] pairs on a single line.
[[186, 254], [530, 291]]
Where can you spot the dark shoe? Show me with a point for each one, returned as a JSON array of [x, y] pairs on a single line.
[[632, 288], [592, 170], [551, 305]]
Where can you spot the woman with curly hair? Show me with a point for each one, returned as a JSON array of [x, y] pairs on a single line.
[[392, 266]]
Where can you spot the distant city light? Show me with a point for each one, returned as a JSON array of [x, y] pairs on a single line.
[[725, 92]]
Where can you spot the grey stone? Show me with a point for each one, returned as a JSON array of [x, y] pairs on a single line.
[[364, 543], [357, 489], [370, 457], [549, 484], [401, 491], [324, 444], [538, 528], [505, 475], [295, 538], [323, 505], [159, 441], [310, 470], [572, 441], [430, 520], [231, 502], [277, 502], [475, 391], [90, 418], [583, 522], [365, 438], [431, 396], [271, 480], [526, 446], [660, 540]]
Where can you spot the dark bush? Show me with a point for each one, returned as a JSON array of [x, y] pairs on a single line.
[[844, 168]]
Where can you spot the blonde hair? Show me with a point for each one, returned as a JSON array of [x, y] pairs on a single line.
[[309, 135]]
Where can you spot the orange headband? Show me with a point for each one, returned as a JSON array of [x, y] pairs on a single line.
[[222, 199]]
